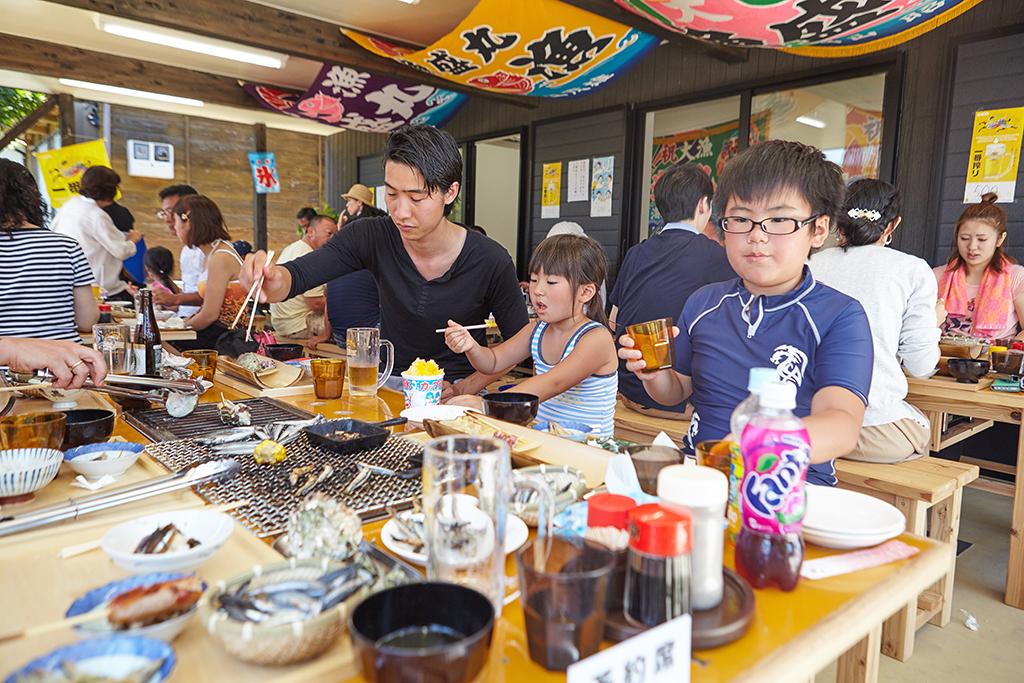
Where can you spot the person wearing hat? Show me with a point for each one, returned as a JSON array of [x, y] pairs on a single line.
[[358, 204]]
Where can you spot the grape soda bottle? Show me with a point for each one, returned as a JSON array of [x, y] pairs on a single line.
[[747, 408], [776, 452]]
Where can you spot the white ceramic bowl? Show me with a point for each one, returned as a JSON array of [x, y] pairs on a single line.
[[123, 456], [211, 529], [26, 470]]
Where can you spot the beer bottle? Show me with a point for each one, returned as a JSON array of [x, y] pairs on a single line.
[[147, 337]]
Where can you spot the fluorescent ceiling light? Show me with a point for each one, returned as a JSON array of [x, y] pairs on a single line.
[[182, 41], [117, 90], [410, 2], [810, 121]]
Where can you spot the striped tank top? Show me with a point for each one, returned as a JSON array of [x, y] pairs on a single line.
[[591, 402]]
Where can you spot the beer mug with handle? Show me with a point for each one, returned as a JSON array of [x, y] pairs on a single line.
[[363, 344]]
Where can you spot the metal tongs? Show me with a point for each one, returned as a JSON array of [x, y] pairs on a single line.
[[157, 389]]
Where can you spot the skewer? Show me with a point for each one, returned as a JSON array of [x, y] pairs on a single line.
[[468, 327], [68, 622], [256, 298]]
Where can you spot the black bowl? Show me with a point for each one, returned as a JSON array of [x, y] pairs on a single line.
[[511, 406], [385, 630], [89, 425], [284, 352], [967, 370]]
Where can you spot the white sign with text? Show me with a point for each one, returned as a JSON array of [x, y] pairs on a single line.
[[658, 655]]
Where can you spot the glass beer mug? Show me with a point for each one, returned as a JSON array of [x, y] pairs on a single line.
[[363, 344]]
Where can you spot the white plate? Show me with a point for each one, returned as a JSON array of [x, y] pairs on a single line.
[[840, 542], [837, 512], [516, 534], [440, 412], [211, 529]]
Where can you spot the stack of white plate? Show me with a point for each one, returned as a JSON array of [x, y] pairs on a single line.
[[837, 518]]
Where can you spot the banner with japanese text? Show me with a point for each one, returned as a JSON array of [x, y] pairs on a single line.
[[995, 154], [264, 172], [356, 100], [551, 190], [62, 168], [543, 48], [815, 28], [863, 144]]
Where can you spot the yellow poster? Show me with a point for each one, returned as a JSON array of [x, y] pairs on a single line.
[[551, 190], [62, 168], [995, 154]]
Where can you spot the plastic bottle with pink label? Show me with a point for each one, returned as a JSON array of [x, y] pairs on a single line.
[[776, 452]]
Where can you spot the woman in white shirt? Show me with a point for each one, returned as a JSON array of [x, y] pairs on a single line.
[[898, 293], [105, 246]]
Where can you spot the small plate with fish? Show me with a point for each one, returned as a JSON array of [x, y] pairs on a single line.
[[167, 541], [403, 535], [119, 659], [157, 605]]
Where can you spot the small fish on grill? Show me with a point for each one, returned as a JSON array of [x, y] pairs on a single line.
[[234, 414], [306, 480], [233, 435], [165, 539]]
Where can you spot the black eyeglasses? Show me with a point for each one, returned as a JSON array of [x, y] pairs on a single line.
[[738, 225]]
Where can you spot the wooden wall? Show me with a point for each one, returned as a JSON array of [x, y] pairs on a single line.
[[672, 72], [211, 156]]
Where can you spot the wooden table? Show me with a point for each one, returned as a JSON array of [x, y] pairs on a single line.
[[184, 334], [937, 396], [793, 636]]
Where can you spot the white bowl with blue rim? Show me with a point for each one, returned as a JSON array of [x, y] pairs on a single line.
[[116, 657], [99, 598], [26, 470], [97, 460], [211, 529], [574, 431]]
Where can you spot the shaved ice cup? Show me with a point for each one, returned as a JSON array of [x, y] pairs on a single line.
[[422, 390]]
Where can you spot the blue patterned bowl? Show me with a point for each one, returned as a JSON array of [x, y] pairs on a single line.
[[112, 657], [26, 470], [122, 456]]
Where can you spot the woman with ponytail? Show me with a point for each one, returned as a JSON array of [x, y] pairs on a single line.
[[898, 293], [982, 288]]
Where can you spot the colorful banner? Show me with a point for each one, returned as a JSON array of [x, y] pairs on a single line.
[[815, 28], [995, 154], [551, 190], [264, 172], [356, 100], [863, 143], [62, 168], [543, 48], [601, 187], [708, 147]]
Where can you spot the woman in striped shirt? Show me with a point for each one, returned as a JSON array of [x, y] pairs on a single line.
[[45, 279], [576, 369]]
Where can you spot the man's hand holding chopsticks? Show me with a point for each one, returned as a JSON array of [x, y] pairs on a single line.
[[277, 281]]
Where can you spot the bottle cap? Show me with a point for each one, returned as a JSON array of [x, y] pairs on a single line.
[[104, 308], [779, 395], [658, 531], [758, 377], [693, 486], [609, 509]]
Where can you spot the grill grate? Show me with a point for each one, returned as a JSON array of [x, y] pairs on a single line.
[[157, 425], [271, 495]]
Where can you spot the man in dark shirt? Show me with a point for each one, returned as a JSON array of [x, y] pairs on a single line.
[[428, 269], [659, 274], [134, 271]]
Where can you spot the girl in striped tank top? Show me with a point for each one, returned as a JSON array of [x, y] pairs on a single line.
[[573, 352]]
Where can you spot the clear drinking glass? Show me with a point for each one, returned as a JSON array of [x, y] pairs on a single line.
[[363, 344], [467, 485], [113, 341]]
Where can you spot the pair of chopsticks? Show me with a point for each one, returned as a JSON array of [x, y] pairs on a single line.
[[256, 289], [467, 327], [40, 629], [27, 387]]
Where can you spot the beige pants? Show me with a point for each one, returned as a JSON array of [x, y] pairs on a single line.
[[892, 442]]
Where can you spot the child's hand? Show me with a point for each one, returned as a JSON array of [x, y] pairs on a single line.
[[634, 359], [458, 338], [940, 312]]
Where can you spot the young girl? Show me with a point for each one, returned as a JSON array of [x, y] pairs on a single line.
[[982, 288], [159, 262], [573, 352]]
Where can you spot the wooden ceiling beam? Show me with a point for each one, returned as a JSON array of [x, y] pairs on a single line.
[[30, 120], [609, 10], [61, 61], [268, 28]]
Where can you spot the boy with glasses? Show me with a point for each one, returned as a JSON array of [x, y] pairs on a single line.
[[775, 202]]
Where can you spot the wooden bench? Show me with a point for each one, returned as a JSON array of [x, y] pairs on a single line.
[[632, 425], [929, 492]]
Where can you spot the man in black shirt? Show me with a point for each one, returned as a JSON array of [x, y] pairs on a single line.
[[428, 269]]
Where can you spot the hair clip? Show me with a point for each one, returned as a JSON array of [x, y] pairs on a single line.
[[870, 214]]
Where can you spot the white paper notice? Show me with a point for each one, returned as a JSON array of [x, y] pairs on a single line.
[[660, 654], [601, 187], [579, 177]]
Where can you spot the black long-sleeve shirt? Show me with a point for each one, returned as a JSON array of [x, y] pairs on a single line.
[[481, 281]]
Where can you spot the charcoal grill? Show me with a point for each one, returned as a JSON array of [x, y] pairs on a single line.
[[157, 425]]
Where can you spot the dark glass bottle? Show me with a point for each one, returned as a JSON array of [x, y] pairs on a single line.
[[147, 337], [105, 315]]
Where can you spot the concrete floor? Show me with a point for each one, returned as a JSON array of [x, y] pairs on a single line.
[[995, 652]]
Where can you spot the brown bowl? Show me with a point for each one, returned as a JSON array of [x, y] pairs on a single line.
[[284, 352], [651, 459], [967, 370], [88, 425], [1010, 362], [512, 406], [32, 430]]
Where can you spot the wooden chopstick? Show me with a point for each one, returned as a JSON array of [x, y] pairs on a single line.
[[27, 387], [68, 622], [256, 299], [258, 283], [467, 327], [82, 548]]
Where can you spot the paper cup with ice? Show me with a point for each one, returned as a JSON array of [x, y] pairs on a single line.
[[421, 384]]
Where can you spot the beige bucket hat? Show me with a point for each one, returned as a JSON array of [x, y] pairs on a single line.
[[360, 193]]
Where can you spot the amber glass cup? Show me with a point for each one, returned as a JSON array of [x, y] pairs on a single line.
[[715, 454], [32, 430], [328, 377], [654, 340], [206, 363]]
